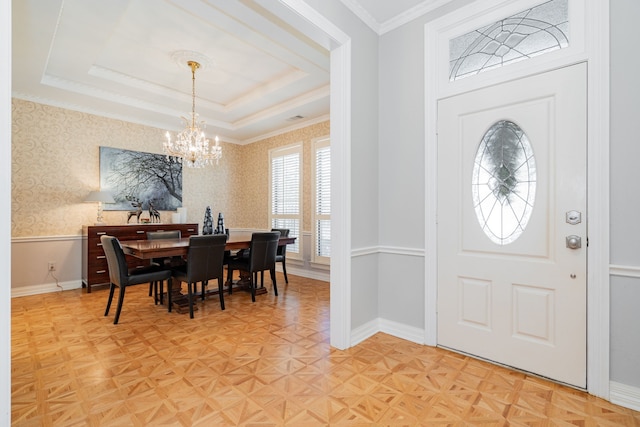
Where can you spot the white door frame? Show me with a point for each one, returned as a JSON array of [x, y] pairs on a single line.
[[5, 211], [593, 48]]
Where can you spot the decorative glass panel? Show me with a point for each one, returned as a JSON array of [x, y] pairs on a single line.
[[530, 33], [504, 182]]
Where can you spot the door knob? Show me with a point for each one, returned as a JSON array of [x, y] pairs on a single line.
[[574, 242]]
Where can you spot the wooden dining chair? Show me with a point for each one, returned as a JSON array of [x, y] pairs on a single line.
[[163, 262], [122, 277], [262, 256], [205, 261]]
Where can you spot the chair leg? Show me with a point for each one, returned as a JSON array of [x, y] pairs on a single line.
[[204, 284], [112, 288], [220, 285], [155, 292], [161, 292], [150, 288], [252, 283], [120, 301], [189, 285], [230, 279], [284, 270], [273, 280], [169, 290]]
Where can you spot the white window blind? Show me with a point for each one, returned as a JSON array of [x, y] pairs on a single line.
[[285, 192], [322, 205]]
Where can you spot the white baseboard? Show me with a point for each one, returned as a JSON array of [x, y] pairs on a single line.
[[44, 288], [303, 272], [409, 333], [624, 395], [395, 329], [365, 331]]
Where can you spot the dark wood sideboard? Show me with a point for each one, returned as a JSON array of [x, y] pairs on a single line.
[[94, 264]]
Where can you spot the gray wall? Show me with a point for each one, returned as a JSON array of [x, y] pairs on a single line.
[[364, 156], [402, 174], [402, 170], [625, 192]]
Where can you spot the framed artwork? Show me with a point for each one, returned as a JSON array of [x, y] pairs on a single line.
[[140, 180]]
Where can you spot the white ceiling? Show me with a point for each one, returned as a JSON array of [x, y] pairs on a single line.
[[126, 59]]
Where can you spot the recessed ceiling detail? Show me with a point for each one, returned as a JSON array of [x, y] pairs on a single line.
[[125, 59]]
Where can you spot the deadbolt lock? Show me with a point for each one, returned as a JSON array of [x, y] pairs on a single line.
[[573, 217]]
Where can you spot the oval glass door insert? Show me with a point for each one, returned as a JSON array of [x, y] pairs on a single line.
[[504, 182]]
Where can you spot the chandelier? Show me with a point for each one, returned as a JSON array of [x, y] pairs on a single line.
[[191, 145]]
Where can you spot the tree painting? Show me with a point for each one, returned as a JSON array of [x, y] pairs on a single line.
[[147, 177]]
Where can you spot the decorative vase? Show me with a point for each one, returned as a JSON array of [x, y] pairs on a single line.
[[220, 227], [208, 222]]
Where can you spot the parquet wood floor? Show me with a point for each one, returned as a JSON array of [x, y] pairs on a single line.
[[262, 364]]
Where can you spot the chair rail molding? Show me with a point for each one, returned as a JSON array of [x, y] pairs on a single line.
[[33, 239], [624, 270]]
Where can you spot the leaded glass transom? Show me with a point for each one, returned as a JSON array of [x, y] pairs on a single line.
[[504, 182], [530, 33]]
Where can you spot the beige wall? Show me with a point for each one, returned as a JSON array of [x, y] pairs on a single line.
[[55, 163]]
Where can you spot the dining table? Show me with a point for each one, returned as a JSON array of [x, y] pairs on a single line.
[[148, 249], [161, 248]]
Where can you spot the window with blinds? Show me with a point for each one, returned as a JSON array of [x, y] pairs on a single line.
[[286, 178], [322, 205]]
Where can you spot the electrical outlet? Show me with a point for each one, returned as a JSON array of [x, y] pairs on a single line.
[[52, 266]]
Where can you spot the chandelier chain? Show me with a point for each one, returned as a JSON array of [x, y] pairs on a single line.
[[194, 66], [191, 145]]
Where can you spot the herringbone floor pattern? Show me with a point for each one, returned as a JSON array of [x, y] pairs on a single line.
[[262, 364]]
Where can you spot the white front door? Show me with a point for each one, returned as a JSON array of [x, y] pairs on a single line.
[[512, 242]]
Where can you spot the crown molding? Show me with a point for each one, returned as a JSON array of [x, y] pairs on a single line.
[[291, 128], [411, 14], [398, 20], [355, 7]]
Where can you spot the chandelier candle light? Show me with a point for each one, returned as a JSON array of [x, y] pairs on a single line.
[[191, 145]]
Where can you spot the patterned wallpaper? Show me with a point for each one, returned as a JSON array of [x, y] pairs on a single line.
[[55, 163], [254, 175]]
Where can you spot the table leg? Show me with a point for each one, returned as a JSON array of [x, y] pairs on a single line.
[[180, 301]]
